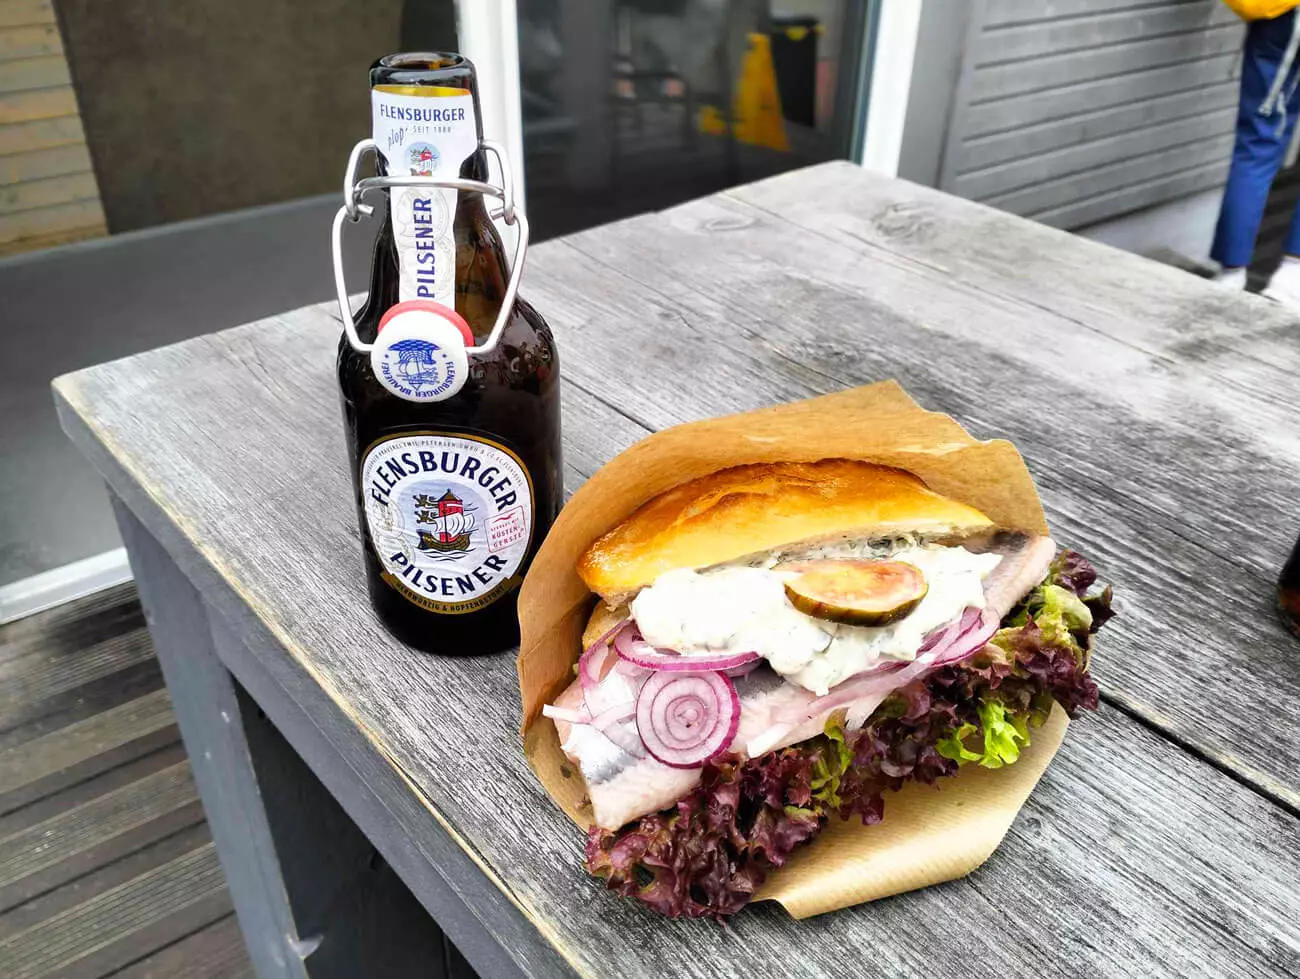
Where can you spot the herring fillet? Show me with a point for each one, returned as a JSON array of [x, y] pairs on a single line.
[[622, 786]]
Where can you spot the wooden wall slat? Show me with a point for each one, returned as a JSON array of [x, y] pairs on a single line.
[[1059, 133], [1050, 37], [24, 13], [43, 103], [1122, 173], [1006, 12], [55, 162], [32, 41], [1060, 71], [1051, 104], [40, 134], [23, 74], [1084, 157], [46, 192], [1124, 200]]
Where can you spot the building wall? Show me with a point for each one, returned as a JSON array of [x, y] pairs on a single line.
[[198, 108], [1073, 112], [48, 192]]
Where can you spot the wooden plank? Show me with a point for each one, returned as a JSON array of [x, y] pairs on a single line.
[[81, 889], [91, 788], [39, 676], [1003, 13], [54, 162], [1081, 67], [44, 103], [74, 624], [1051, 104], [67, 940], [44, 222], [22, 721], [1030, 170], [1072, 188], [214, 952], [79, 742], [610, 327], [50, 192], [1000, 45], [39, 134], [31, 41], [23, 13], [1166, 187], [210, 717], [24, 74], [89, 827], [1130, 120]]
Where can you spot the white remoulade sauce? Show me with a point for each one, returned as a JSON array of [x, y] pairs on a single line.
[[743, 606]]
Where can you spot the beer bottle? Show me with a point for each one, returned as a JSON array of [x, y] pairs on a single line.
[[454, 492], [1288, 591]]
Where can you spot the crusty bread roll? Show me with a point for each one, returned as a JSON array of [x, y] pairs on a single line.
[[746, 510]]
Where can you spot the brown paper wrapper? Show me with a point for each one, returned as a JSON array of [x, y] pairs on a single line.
[[929, 834]]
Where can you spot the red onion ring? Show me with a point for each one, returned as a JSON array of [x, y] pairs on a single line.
[[949, 644], [592, 663], [686, 719], [566, 714], [633, 648]]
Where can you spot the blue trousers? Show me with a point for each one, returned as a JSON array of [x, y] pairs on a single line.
[[1261, 144]]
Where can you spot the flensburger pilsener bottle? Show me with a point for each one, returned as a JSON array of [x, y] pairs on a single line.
[[455, 491]]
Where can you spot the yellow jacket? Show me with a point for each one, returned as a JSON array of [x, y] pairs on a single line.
[[1261, 9]]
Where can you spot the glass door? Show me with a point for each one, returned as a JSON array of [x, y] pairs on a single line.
[[625, 106]]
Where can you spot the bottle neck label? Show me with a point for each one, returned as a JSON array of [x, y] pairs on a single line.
[[430, 134], [450, 518]]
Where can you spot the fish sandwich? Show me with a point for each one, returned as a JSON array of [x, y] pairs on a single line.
[[776, 644]]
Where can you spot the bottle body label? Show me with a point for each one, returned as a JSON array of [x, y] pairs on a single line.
[[431, 135], [450, 518]]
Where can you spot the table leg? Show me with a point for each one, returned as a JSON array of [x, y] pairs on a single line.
[[208, 714], [311, 893]]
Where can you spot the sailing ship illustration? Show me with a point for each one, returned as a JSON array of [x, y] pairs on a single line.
[[449, 526]]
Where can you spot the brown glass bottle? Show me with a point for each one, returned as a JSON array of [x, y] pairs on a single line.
[[1288, 591], [445, 549]]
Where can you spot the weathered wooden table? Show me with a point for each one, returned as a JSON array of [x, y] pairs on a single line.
[[1161, 419]]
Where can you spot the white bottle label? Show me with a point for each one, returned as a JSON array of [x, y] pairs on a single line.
[[429, 135], [450, 518]]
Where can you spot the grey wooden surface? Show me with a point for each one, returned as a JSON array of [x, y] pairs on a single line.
[[1156, 414]]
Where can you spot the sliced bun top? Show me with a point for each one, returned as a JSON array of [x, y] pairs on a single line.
[[751, 509]]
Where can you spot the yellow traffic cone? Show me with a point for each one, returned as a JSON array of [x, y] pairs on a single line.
[[757, 105]]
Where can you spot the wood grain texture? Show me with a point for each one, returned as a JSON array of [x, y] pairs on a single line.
[[1133, 858], [189, 884], [76, 743]]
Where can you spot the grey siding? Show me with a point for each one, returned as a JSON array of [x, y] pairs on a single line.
[[1075, 111]]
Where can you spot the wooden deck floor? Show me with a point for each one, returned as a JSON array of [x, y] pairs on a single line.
[[106, 865]]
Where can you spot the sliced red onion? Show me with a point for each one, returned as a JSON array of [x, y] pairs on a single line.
[[953, 642], [979, 629], [686, 719], [633, 648], [593, 663], [736, 672], [594, 669], [566, 714]]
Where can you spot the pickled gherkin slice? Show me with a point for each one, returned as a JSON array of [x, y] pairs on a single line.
[[873, 593]]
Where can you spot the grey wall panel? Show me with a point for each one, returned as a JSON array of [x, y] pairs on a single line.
[[1120, 121], [1074, 111]]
